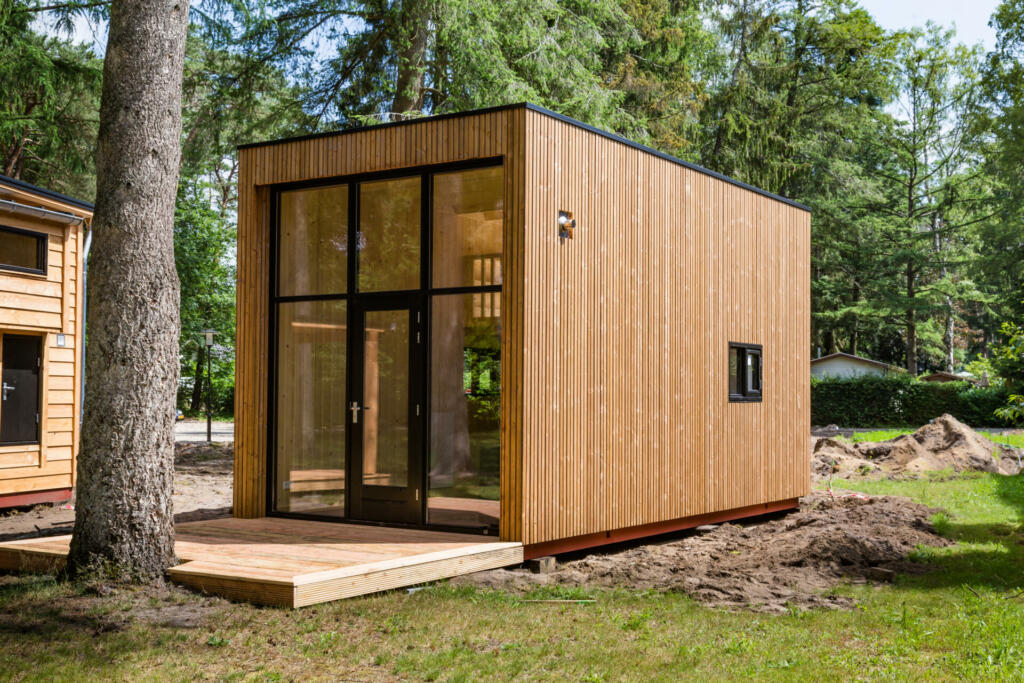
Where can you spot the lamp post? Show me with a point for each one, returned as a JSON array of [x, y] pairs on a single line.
[[209, 383]]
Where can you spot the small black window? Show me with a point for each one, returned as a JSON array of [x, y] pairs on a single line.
[[745, 372], [22, 250]]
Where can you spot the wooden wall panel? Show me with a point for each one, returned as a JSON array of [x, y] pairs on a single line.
[[626, 328], [433, 141], [46, 305], [614, 400]]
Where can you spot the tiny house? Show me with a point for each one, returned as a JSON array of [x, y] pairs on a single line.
[[41, 326], [509, 323]]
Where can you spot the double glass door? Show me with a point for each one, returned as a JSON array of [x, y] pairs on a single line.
[[385, 349]]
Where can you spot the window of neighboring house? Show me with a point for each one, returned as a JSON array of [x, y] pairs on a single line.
[[745, 372], [22, 250]]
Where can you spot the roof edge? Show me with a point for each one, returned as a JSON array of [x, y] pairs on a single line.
[[555, 115], [49, 194]]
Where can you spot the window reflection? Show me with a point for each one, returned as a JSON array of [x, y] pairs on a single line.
[[467, 215], [465, 401], [311, 414], [313, 241], [389, 235]]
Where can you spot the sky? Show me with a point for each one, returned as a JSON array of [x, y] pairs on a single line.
[[970, 17]]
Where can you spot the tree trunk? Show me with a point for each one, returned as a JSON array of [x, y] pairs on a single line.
[[124, 522], [412, 54], [911, 322], [947, 338], [197, 385]]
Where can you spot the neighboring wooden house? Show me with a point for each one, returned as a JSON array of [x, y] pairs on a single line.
[[843, 365], [41, 264], [509, 322]]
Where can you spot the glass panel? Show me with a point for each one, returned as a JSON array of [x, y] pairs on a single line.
[[465, 410], [386, 398], [313, 249], [735, 355], [311, 413], [753, 372], [468, 211], [389, 235], [20, 250]]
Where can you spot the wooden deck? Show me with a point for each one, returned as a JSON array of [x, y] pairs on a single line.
[[293, 563]]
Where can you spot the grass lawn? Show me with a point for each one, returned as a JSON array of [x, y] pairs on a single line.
[[962, 621]]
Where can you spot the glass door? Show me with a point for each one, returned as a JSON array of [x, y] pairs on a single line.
[[386, 410]]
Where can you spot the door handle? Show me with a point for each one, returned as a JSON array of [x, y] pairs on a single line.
[[7, 387], [354, 407]]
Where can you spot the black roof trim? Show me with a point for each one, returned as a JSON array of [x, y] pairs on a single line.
[[22, 185], [547, 112]]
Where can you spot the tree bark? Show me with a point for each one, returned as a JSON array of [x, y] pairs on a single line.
[[124, 522], [911, 321], [411, 57]]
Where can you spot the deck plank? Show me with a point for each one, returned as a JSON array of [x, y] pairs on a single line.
[[293, 563]]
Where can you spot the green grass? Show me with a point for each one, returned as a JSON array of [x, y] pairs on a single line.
[[1016, 440], [960, 622]]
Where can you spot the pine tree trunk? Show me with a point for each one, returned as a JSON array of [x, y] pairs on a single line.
[[412, 57], [124, 521], [911, 322]]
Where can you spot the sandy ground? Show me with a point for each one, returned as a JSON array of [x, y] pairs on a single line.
[[943, 444], [202, 490], [767, 566]]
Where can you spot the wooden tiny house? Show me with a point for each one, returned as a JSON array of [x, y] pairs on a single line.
[[507, 322], [41, 325]]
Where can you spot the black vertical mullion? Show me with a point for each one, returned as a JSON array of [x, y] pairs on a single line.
[[426, 280], [272, 353], [352, 354]]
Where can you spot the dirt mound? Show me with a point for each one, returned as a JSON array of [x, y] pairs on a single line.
[[768, 566], [944, 443]]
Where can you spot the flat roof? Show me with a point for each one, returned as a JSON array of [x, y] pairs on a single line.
[[546, 112], [42, 191]]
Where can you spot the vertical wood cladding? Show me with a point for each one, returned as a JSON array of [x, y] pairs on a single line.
[[615, 408], [626, 413], [46, 305], [438, 141]]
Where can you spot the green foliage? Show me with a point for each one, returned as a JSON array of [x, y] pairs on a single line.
[[1009, 360], [896, 400], [49, 106]]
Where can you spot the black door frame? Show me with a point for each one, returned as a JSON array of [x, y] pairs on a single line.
[[422, 296], [386, 503]]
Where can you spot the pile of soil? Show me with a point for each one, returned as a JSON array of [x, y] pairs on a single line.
[[768, 566], [202, 490], [945, 443]]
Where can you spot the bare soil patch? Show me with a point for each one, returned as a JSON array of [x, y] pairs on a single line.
[[943, 444], [202, 490], [769, 566]]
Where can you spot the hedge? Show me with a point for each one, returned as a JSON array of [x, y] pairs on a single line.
[[899, 400]]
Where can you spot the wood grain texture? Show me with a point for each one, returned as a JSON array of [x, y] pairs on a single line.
[[495, 134], [615, 410], [46, 305], [293, 563], [626, 418]]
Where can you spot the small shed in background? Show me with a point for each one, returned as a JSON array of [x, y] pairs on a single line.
[[41, 325], [844, 365]]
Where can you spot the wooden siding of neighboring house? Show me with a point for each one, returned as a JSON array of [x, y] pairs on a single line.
[[385, 148], [46, 305], [626, 414]]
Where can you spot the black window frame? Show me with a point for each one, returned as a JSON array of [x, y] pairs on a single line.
[[42, 247], [746, 395]]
